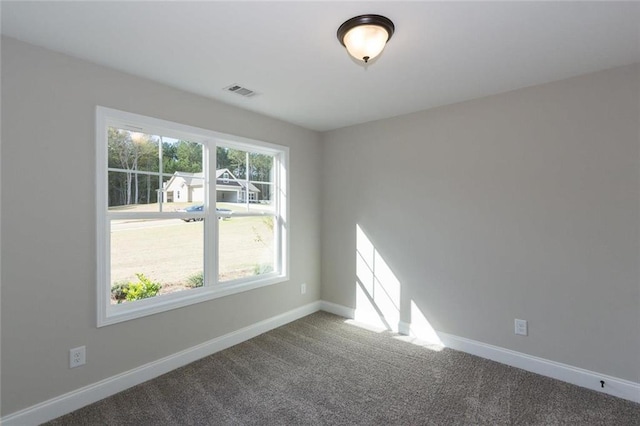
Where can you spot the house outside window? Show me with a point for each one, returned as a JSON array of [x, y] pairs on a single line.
[[158, 252]]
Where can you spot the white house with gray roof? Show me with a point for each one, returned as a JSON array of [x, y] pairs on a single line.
[[186, 187]]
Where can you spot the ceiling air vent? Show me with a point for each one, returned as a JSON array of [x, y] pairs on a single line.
[[242, 91]]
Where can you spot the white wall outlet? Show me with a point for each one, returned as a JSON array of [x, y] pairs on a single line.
[[77, 357], [521, 327], [303, 288]]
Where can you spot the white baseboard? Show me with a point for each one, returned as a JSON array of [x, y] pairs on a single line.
[[620, 388], [334, 308], [614, 386], [404, 328], [79, 398]]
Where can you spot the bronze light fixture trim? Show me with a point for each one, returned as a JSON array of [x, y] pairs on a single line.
[[366, 35]]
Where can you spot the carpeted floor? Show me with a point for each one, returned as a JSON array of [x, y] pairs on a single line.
[[321, 370]]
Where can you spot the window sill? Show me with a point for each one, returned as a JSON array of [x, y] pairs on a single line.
[[114, 314]]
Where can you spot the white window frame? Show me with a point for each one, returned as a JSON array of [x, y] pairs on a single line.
[[212, 289]]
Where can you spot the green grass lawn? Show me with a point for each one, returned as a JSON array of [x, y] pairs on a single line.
[[169, 251]]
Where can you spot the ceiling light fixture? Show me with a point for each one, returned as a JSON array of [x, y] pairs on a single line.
[[365, 36]]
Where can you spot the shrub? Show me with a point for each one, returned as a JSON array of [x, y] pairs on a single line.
[[143, 289], [129, 291], [119, 291], [196, 280], [263, 268]]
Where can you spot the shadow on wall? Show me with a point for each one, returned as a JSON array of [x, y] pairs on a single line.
[[381, 303]]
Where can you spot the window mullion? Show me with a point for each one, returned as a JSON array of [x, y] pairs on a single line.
[[160, 169], [246, 176], [211, 220], [278, 226]]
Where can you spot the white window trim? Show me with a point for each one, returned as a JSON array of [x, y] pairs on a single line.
[[111, 314]]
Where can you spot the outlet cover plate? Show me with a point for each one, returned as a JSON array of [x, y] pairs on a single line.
[[521, 327], [77, 357]]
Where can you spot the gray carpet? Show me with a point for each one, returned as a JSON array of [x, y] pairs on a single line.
[[320, 370]]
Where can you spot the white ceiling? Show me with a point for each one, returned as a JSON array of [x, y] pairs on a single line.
[[441, 53]]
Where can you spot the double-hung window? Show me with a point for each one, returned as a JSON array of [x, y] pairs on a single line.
[[184, 215]]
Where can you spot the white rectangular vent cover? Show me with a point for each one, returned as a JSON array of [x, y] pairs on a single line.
[[242, 91]]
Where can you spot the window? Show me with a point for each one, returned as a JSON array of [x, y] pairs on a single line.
[[184, 215]]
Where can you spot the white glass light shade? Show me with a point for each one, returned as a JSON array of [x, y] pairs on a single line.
[[365, 42]]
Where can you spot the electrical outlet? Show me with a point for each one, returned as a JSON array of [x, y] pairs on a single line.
[[521, 327], [77, 357], [303, 288]]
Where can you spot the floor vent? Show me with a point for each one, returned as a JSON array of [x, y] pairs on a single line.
[[242, 91]]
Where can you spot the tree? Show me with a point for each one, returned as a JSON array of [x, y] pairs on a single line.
[[222, 158], [260, 167], [189, 157], [121, 154], [130, 152], [136, 154], [237, 162], [148, 161], [181, 156]]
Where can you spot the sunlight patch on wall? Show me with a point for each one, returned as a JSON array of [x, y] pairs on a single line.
[[377, 288]]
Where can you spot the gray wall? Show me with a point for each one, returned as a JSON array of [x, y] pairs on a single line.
[[525, 204], [520, 205], [48, 225]]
